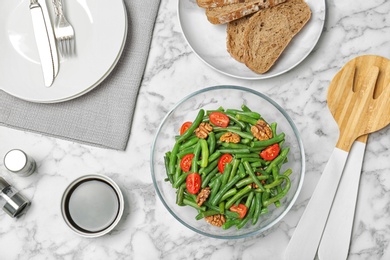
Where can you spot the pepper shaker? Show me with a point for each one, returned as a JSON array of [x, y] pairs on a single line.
[[11, 201], [18, 162]]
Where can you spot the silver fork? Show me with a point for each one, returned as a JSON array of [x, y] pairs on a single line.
[[63, 30]]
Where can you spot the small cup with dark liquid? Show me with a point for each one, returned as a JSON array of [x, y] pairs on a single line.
[[92, 205]]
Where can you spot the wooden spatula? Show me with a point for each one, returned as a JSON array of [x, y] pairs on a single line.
[[336, 238], [356, 113]]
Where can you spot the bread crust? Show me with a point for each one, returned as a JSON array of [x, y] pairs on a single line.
[[230, 12]]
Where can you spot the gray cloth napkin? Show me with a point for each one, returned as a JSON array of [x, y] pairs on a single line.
[[103, 116]]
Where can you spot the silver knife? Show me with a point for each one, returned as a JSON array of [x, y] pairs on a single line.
[[43, 42], [52, 38]]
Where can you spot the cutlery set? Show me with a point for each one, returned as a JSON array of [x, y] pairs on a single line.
[[46, 38], [358, 112]]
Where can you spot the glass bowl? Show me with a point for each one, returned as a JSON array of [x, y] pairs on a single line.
[[228, 97]]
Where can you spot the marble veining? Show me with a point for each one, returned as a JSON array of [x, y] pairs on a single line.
[[147, 230]]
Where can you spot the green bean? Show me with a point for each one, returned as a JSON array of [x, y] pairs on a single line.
[[209, 168], [222, 207], [241, 170], [251, 155], [206, 180], [281, 157], [249, 170], [229, 223], [205, 153], [212, 141], [253, 115], [178, 171], [235, 151], [180, 195], [173, 158], [252, 160], [233, 172], [166, 163], [273, 128], [193, 126], [249, 180], [266, 143], [214, 156], [247, 119], [189, 143], [220, 109], [224, 189], [257, 164], [193, 204], [228, 194], [180, 180], [281, 194], [245, 108], [237, 196], [215, 189], [186, 151], [206, 213], [226, 129], [242, 134], [194, 164], [249, 199], [235, 120], [234, 146], [226, 173], [257, 211], [264, 211]]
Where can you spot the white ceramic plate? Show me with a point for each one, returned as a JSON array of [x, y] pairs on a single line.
[[208, 41], [100, 34]]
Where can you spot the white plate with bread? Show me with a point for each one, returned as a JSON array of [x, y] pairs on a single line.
[[252, 39]]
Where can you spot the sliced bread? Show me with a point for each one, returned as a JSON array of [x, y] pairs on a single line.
[[235, 37], [231, 12], [217, 3], [270, 31]]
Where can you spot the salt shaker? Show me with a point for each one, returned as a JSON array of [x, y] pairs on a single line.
[[18, 162], [11, 201]]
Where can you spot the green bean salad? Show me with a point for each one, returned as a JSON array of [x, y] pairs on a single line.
[[227, 165]]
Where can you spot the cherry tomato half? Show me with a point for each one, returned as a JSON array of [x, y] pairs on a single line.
[[193, 182], [241, 209], [219, 119], [270, 152], [184, 127], [226, 158], [186, 161]]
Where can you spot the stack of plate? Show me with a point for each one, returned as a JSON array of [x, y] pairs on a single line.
[[100, 35]]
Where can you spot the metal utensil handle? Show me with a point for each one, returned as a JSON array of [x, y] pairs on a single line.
[[337, 233], [306, 238], [57, 5]]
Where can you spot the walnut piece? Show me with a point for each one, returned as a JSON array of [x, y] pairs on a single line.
[[261, 130], [203, 130], [229, 137], [202, 196], [216, 220]]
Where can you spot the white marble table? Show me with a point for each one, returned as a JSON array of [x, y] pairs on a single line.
[[147, 230]]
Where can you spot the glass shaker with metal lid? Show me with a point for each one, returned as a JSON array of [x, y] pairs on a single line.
[[11, 201]]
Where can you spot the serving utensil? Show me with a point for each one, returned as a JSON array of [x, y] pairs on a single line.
[[63, 30], [336, 238], [356, 113]]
